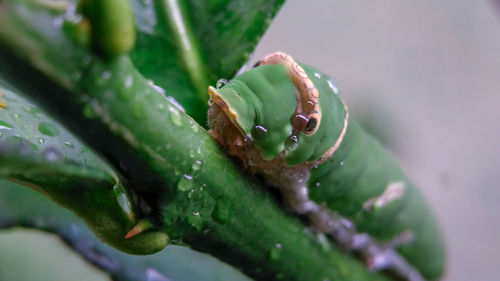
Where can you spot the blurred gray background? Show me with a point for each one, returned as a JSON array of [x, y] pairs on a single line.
[[424, 76]]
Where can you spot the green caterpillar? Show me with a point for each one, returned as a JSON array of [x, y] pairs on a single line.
[[286, 122]]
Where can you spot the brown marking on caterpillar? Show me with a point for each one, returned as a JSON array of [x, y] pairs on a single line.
[[393, 191], [306, 93]]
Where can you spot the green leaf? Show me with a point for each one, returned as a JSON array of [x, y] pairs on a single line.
[[185, 46], [20, 206]]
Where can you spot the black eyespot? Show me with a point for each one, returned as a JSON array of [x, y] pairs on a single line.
[[256, 64], [311, 125]]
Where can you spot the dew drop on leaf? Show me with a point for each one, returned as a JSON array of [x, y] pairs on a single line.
[[51, 155], [175, 116], [129, 80], [185, 183], [69, 144], [196, 165], [275, 252], [221, 83]]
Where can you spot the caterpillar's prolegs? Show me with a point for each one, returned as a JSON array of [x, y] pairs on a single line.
[[376, 256]]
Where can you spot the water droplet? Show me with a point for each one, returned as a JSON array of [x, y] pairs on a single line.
[[17, 115], [106, 75], [196, 165], [291, 143], [191, 193], [223, 211], [5, 126], [195, 220], [317, 75], [259, 132], [48, 129], [69, 144], [299, 122], [153, 275], [124, 203], [161, 106], [175, 116], [51, 155], [194, 126], [126, 92], [221, 83], [275, 252], [129, 80], [102, 79], [176, 103], [185, 183], [41, 141], [156, 87], [317, 184], [342, 163], [309, 105]]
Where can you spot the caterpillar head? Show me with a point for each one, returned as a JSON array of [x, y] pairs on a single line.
[[268, 110], [254, 109]]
